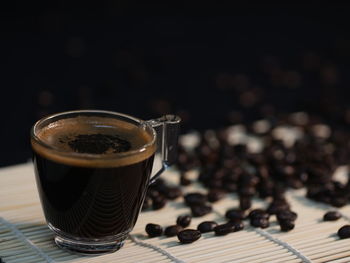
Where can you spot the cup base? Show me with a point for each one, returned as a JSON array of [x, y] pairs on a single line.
[[88, 248]]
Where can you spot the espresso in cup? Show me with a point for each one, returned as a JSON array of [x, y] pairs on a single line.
[[92, 172]]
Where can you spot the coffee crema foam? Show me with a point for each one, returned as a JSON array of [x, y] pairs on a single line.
[[58, 134]]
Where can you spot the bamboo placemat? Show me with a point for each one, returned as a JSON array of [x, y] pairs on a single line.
[[24, 236]]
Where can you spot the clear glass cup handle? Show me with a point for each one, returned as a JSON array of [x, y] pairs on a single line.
[[167, 128]]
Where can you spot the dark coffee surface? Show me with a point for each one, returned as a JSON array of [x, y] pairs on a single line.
[[89, 202], [92, 134], [92, 141], [98, 143]]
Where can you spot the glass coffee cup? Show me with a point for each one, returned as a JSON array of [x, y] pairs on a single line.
[[92, 171]]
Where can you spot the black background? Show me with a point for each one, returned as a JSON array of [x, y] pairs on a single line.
[[205, 67]]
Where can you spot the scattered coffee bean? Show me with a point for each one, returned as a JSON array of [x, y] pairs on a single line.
[[260, 222], [247, 191], [332, 216], [152, 193], [224, 229], [286, 225], [154, 230], [158, 202], [286, 215], [206, 226], [200, 210], [172, 192], [147, 203], [230, 187], [184, 181], [235, 214], [192, 199], [173, 230], [276, 206], [238, 225], [215, 195], [308, 163], [245, 202], [184, 220], [344, 231], [188, 236], [339, 201], [258, 213]]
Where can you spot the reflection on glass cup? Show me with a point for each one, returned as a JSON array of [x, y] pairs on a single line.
[[92, 171]]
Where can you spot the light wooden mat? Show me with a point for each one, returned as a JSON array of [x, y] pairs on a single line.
[[24, 237]]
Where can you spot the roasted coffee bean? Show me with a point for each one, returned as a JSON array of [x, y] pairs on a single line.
[[158, 202], [332, 216], [264, 193], [220, 174], [224, 229], [338, 201], [286, 225], [238, 225], [158, 183], [200, 210], [184, 181], [147, 203], [152, 193], [192, 199], [277, 206], [245, 202], [185, 161], [154, 230], [344, 231], [260, 222], [248, 180], [230, 187], [184, 220], [286, 215], [278, 192], [215, 195], [247, 191], [235, 214], [188, 236], [172, 192], [295, 183], [258, 213], [215, 184], [173, 230], [206, 226]]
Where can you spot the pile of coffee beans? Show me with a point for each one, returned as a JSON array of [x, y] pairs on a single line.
[[159, 193], [263, 160], [185, 236]]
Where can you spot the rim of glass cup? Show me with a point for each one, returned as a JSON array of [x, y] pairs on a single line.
[[140, 123]]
